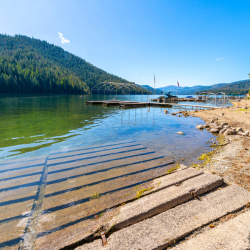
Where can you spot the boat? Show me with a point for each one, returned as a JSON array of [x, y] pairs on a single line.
[[167, 98]]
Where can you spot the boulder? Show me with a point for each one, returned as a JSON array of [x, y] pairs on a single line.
[[200, 127], [221, 114], [214, 119], [216, 127], [230, 131], [239, 129], [165, 111], [224, 124], [219, 127], [222, 130], [240, 133], [214, 130], [212, 125], [246, 107], [173, 113], [206, 125], [243, 133], [180, 133]]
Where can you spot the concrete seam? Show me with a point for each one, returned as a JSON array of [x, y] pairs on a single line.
[[29, 236]]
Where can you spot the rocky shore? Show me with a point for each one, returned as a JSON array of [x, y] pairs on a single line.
[[230, 158]]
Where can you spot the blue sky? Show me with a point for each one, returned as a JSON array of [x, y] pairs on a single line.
[[193, 41]]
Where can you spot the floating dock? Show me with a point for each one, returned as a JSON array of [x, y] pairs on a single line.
[[128, 104]]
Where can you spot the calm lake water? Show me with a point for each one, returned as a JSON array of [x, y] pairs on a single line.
[[37, 125], [105, 156]]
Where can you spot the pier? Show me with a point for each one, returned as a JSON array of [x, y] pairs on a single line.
[[128, 104]]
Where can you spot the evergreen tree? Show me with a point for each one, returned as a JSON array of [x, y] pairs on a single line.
[[29, 65]]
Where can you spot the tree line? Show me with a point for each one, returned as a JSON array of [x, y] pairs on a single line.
[[236, 88], [34, 75], [29, 65]]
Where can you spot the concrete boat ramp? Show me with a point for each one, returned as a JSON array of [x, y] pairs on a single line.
[[128, 104], [44, 200], [118, 195]]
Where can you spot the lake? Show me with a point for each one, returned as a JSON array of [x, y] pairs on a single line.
[[37, 125]]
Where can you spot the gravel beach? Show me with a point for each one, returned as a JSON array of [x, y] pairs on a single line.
[[231, 157]]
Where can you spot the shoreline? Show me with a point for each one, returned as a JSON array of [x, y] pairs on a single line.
[[231, 156]]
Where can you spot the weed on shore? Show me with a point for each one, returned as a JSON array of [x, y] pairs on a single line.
[[141, 192], [173, 169]]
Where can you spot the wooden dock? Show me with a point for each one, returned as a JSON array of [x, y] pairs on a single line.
[[128, 104]]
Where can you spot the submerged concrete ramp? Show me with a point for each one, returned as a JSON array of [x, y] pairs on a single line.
[[164, 229], [129, 192], [44, 199], [232, 235]]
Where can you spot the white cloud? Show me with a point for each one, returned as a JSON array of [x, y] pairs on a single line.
[[135, 73], [220, 59], [63, 40]]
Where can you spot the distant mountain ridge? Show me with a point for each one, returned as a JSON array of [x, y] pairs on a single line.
[[149, 88], [235, 88], [238, 87]]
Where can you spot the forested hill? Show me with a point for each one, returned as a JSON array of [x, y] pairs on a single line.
[[234, 88], [29, 65]]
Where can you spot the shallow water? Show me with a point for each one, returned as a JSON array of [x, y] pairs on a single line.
[[37, 125]]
